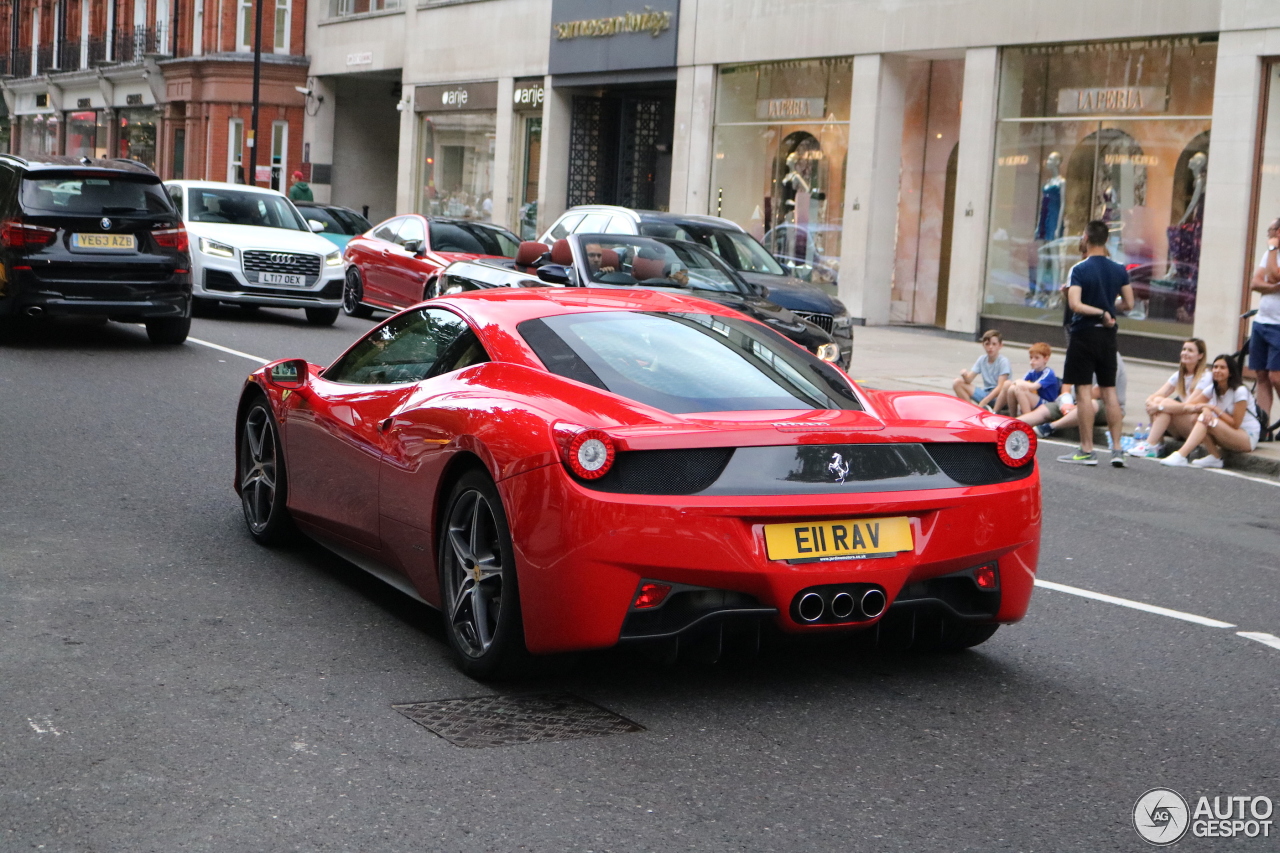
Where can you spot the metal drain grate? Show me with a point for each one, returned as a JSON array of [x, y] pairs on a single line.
[[506, 720]]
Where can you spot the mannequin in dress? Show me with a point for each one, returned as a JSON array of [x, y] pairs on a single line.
[[1184, 240], [1049, 226], [1197, 165]]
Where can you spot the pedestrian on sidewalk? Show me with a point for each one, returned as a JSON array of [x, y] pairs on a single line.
[[301, 190], [1096, 283], [983, 382], [1050, 418], [1039, 386], [1226, 420], [1264, 343], [1172, 408]]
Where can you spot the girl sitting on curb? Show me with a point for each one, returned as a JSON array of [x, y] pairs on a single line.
[[1170, 408], [1226, 420]]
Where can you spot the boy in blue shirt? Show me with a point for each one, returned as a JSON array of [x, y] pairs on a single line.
[[1040, 385]]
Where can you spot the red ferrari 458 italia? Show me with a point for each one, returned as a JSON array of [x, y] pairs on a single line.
[[560, 469]]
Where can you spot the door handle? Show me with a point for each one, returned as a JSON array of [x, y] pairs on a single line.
[[391, 424]]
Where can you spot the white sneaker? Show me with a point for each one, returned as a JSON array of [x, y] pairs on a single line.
[[1175, 460], [1207, 461], [1139, 449]]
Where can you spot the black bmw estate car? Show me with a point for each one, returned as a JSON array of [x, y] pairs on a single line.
[[80, 236]]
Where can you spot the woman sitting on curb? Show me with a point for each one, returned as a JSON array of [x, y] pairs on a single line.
[[1170, 408], [1226, 420]]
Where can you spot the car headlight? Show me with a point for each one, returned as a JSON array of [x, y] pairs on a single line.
[[218, 250], [842, 321], [829, 352], [333, 259]]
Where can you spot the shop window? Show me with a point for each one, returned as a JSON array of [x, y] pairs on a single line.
[[138, 135], [455, 164], [87, 133], [780, 157], [1111, 131], [235, 151], [38, 135]]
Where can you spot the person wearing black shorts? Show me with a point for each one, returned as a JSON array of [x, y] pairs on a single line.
[[1096, 283]]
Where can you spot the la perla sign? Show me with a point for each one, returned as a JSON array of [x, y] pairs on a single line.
[[1115, 99]]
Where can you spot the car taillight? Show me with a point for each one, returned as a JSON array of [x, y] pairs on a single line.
[[590, 454], [172, 238], [15, 234], [1016, 444]]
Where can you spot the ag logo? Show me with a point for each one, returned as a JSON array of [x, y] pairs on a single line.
[[1161, 816]]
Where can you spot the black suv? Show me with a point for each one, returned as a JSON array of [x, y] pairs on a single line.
[[80, 236]]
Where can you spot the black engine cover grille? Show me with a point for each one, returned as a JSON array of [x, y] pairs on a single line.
[[825, 322], [663, 472], [975, 464]]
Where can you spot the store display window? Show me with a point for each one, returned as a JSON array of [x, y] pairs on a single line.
[[138, 135], [780, 157], [38, 135], [455, 164], [1117, 131], [87, 134]]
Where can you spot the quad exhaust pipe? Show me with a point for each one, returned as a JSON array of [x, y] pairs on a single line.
[[34, 311], [838, 604]]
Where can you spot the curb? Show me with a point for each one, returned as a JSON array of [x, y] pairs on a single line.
[[1250, 463]]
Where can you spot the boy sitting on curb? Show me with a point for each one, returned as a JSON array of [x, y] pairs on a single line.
[[986, 380], [1040, 385]]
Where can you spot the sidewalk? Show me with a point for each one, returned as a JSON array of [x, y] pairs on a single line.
[[900, 358]]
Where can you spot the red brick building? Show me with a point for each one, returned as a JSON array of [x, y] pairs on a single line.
[[166, 82]]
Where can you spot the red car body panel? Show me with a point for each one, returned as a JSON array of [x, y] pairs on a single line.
[[369, 465]]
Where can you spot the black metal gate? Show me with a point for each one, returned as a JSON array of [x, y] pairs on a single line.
[[613, 150]]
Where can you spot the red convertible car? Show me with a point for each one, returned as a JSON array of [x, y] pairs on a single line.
[[398, 262], [559, 469]]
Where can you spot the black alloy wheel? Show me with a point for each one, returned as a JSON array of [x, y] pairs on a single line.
[[168, 331], [479, 593], [322, 316], [352, 293], [263, 486]]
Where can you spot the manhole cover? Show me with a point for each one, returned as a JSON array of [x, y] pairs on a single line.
[[506, 720]]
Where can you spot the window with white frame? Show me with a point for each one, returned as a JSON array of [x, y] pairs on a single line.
[[235, 151], [279, 151], [281, 40], [244, 27]]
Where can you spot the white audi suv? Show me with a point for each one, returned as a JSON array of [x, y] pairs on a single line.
[[250, 246]]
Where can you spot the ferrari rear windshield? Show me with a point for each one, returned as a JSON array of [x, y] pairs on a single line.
[[683, 363]]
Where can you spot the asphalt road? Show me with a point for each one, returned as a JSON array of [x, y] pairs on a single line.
[[167, 685]]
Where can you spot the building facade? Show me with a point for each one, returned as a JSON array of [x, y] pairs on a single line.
[[164, 82], [933, 163]]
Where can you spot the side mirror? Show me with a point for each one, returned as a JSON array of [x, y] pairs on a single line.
[[554, 274], [291, 374], [316, 225], [413, 247], [758, 289]]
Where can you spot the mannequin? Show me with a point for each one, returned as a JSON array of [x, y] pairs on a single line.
[[1197, 165], [1184, 239], [1047, 265]]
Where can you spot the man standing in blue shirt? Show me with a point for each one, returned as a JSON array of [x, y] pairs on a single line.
[[1096, 283]]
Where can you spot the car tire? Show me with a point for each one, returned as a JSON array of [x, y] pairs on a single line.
[[352, 293], [322, 316], [479, 593], [168, 331], [264, 482]]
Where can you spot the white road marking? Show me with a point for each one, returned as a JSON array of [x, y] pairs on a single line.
[[1136, 605], [1266, 639], [44, 726], [221, 348]]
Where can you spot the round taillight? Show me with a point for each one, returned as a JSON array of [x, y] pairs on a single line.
[[1016, 444], [591, 454]]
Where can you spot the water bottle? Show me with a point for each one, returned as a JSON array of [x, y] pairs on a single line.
[[1140, 432]]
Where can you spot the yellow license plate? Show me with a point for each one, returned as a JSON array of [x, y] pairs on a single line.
[[109, 242], [848, 539]]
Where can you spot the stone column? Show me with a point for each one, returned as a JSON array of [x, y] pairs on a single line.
[[691, 146], [553, 170], [973, 188], [318, 130], [871, 186], [1224, 268], [503, 150], [408, 178]]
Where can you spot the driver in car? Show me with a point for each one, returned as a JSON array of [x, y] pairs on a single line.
[[595, 257]]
